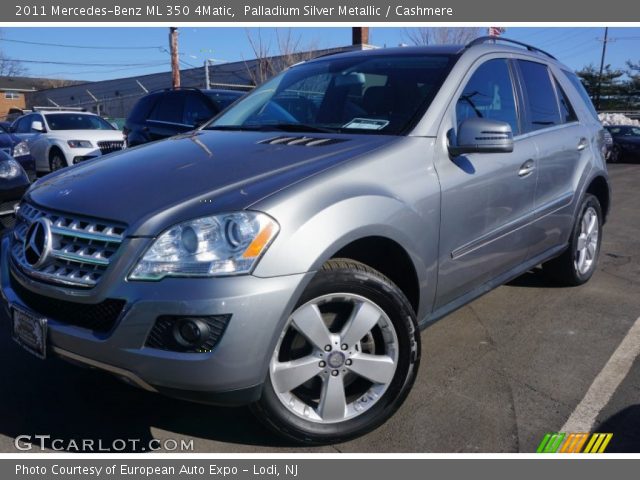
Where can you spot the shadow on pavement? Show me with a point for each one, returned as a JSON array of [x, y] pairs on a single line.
[[72, 403], [625, 426]]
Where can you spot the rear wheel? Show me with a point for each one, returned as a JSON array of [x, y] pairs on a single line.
[[346, 359], [577, 264]]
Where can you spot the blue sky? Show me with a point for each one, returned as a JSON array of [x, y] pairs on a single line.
[[141, 50]]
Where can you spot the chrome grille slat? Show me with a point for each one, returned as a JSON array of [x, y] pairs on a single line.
[[109, 146], [82, 247]]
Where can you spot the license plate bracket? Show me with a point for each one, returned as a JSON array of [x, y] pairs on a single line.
[[30, 331]]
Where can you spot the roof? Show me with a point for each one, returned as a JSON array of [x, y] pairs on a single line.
[[31, 83]]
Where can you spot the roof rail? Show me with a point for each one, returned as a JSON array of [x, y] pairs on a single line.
[[486, 39], [58, 109]]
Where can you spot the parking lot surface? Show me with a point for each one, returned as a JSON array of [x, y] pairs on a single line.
[[495, 376]]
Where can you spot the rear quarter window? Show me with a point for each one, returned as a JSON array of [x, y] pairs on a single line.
[[577, 84]]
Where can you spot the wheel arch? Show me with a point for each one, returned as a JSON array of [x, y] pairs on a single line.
[[600, 188]]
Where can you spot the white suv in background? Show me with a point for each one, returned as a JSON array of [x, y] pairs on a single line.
[[65, 137]]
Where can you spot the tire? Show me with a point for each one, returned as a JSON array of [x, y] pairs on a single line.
[[616, 155], [571, 268], [340, 289], [57, 160]]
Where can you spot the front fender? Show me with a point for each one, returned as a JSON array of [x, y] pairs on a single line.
[[317, 239]]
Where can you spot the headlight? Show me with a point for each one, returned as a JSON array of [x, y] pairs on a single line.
[[20, 149], [10, 169], [227, 244], [79, 143]]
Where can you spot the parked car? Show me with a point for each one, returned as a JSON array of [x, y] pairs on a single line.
[[61, 138], [291, 266], [14, 181], [626, 143], [166, 113], [19, 150]]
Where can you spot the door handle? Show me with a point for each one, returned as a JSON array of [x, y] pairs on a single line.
[[526, 168], [582, 144]]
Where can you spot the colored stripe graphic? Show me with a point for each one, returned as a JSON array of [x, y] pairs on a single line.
[[573, 442]]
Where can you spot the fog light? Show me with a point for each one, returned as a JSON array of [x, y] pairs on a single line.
[[191, 332]]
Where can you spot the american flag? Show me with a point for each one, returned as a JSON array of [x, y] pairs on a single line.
[[496, 31]]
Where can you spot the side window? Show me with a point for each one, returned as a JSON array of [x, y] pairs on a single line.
[[567, 113], [489, 94], [540, 98], [196, 111], [169, 108]]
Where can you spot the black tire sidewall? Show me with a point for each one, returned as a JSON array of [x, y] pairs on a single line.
[[388, 297], [63, 162], [589, 201]]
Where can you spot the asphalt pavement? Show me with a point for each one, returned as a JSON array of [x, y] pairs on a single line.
[[495, 376]]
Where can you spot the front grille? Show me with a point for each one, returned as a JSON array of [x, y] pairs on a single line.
[[162, 338], [81, 251], [110, 146], [99, 317], [7, 217]]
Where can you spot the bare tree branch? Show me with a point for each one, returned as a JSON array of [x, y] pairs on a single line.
[[10, 67], [441, 35], [288, 51]]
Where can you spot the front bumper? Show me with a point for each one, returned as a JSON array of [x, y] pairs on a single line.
[[232, 373]]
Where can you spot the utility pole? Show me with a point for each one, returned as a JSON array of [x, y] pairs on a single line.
[[206, 74], [175, 63], [604, 51]]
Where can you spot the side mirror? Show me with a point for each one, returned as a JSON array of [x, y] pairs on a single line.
[[481, 135], [37, 126]]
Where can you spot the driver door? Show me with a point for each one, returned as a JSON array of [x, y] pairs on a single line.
[[487, 198]]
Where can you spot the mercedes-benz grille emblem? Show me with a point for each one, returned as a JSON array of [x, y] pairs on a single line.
[[37, 243]]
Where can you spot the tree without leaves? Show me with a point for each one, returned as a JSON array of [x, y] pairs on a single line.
[[10, 67], [289, 50], [441, 35]]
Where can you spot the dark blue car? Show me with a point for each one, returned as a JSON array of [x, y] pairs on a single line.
[[19, 150]]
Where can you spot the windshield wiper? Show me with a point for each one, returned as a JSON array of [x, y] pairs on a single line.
[[300, 127], [285, 127]]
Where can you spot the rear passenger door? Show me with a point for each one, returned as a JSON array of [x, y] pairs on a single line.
[[166, 118], [562, 145]]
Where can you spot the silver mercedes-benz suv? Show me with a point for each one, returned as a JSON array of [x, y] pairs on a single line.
[[288, 253]]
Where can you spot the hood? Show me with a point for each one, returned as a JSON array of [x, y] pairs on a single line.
[[201, 173], [95, 135], [628, 140], [7, 140]]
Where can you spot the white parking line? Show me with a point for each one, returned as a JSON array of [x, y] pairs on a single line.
[[605, 384]]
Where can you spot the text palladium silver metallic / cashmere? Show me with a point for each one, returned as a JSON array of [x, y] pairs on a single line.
[[287, 254]]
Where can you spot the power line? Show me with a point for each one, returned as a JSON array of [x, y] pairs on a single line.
[[90, 47], [82, 64]]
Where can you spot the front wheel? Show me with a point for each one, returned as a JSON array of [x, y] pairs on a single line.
[[577, 264], [346, 359], [57, 161]]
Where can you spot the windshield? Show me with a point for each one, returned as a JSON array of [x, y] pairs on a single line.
[[223, 99], [76, 121], [381, 94], [625, 131]]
